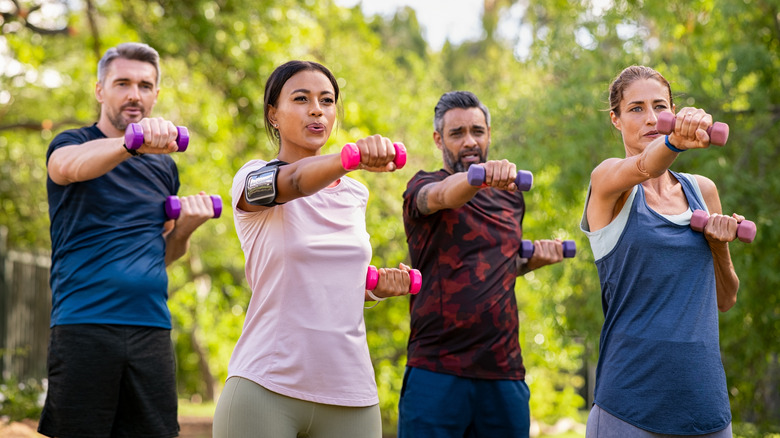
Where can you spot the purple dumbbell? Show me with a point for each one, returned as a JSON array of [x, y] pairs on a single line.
[[372, 279], [476, 177], [350, 156], [746, 230], [134, 137], [173, 206], [718, 132], [527, 249]]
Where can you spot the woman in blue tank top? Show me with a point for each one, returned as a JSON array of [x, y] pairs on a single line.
[[659, 371]]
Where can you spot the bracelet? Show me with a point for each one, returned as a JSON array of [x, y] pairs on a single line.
[[132, 152], [671, 146], [372, 306], [374, 297]]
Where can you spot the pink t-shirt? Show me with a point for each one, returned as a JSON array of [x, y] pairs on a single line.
[[304, 335]]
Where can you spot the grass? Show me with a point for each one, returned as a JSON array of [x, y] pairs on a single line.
[[569, 434], [190, 409]]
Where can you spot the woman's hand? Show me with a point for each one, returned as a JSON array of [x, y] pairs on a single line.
[[721, 228], [690, 129], [376, 154], [393, 282]]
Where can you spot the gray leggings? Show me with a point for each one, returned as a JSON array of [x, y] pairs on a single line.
[[247, 409], [602, 424]]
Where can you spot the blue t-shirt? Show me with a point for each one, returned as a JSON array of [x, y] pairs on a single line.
[[108, 251], [659, 359]]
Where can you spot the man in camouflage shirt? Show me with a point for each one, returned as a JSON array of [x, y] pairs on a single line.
[[465, 374]]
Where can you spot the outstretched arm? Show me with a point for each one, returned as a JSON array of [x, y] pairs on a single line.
[[83, 162], [449, 193], [301, 178], [455, 191], [309, 175], [613, 178], [90, 160]]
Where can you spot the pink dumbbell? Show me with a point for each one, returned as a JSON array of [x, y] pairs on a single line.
[[746, 230], [173, 206], [350, 156], [718, 132], [372, 279], [476, 177], [134, 137], [527, 249]]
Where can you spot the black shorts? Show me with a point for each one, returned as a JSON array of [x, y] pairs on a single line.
[[110, 381]]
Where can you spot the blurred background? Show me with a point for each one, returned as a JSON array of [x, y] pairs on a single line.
[[543, 67]]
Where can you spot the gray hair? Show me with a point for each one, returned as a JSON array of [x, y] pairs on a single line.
[[131, 51], [456, 99]]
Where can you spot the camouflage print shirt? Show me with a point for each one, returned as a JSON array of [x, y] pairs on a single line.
[[464, 321]]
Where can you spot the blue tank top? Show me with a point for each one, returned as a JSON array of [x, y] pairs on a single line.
[[659, 362], [108, 251]]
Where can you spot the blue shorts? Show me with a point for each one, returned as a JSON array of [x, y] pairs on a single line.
[[436, 405]]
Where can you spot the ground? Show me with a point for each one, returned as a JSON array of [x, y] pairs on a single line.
[[200, 427], [191, 427]]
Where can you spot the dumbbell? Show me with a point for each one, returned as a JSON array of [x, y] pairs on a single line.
[[134, 137], [173, 206], [476, 177], [350, 156], [527, 249], [718, 132], [372, 279], [746, 230]]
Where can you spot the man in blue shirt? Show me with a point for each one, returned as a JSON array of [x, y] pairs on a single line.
[[111, 361]]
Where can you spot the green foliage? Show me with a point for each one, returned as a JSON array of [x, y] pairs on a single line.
[[550, 116], [20, 400], [748, 430]]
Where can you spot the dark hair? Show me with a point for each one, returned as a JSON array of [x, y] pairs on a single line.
[[626, 78], [279, 77], [131, 51], [456, 99]]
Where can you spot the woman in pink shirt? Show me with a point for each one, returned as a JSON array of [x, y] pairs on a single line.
[[301, 366]]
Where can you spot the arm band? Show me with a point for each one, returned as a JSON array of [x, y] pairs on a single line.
[[260, 186]]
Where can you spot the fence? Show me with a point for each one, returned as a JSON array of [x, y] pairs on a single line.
[[25, 307]]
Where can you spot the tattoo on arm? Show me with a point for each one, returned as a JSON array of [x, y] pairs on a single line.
[[422, 201]]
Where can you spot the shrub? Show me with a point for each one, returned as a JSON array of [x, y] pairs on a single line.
[[20, 400]]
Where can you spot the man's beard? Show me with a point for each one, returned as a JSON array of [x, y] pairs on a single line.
[[119, 121], [458, 165]]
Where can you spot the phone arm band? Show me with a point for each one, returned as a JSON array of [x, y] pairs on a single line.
[[260, 187]]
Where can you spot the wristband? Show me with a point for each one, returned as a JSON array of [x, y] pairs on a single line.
[[132, 152], [671, 146], [374, 297]]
